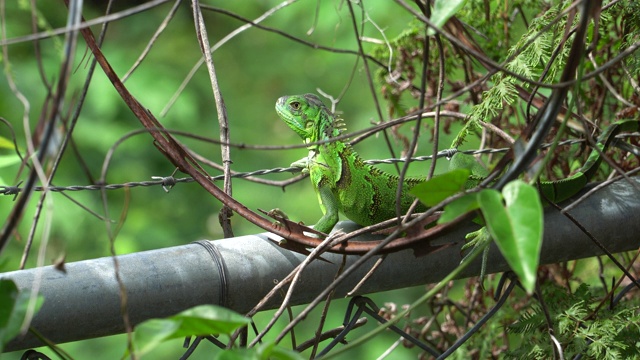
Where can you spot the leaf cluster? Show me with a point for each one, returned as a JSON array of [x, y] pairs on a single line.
[[529, 58], [612, 334]]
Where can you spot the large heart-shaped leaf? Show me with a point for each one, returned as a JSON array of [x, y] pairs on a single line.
[[516, 226]]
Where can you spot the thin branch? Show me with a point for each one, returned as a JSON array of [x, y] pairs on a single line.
[[223, 119], [153, 39]]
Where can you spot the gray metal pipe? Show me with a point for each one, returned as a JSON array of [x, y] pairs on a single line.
[[236, 273]]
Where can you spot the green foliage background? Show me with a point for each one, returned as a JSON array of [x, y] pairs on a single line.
[[254, 68]]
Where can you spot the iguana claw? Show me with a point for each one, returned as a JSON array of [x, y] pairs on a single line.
[[477, 238], [275, 214], [302, 164]]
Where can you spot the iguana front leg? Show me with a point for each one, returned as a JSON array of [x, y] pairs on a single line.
[[302, 164], [330, 206]]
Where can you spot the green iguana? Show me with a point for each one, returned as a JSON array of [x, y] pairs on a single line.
[[367, 195]]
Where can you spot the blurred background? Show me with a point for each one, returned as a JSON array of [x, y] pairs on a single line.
[[254, 68]]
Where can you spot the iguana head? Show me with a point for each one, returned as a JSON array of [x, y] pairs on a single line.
[[308, 117]]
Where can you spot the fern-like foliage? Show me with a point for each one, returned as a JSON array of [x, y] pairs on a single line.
[[630, 10], [529, 322], [531, 40], [529, 57], [613, 334]]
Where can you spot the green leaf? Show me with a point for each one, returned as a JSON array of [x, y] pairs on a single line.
[[261, 352], [6, 161], [443, 10], [199, 320], [281, 353], [441, 186], [459, 207], [9, 160], [149, 334], [14, 305], [210, 319], [238, 354], [516, 227], [6, 143], [465, 161]]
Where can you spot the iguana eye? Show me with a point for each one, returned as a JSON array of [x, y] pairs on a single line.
[[295, 105]]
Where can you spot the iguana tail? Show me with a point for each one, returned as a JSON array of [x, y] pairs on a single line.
[[558, 191]]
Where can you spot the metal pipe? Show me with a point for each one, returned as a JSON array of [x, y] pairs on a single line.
[[236, 273]]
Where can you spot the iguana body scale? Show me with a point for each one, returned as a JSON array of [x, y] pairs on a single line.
[[367, 195]]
